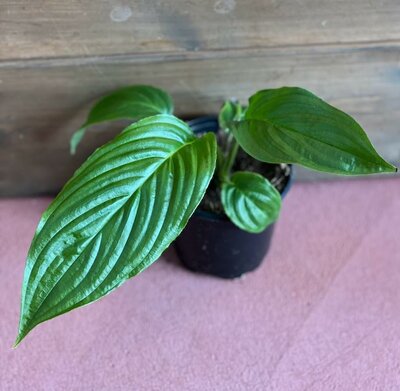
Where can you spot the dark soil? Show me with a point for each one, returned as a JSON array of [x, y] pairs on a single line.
[[277, 174]]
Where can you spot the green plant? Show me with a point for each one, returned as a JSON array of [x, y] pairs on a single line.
[[133, 196]]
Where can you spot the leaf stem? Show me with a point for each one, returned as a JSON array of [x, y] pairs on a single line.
[[230, 160]]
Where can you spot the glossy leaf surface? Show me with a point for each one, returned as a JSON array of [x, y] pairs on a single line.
[[250, 201], [133, 103], [115, 216], [291, 125]]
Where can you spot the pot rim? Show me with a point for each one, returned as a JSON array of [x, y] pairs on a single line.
[[209, 123]]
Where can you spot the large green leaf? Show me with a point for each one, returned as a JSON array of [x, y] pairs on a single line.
[[133, 103], [291, 125], [115, 216], [250, 201]]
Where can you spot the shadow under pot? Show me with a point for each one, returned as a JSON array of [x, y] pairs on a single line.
[[210, 242]]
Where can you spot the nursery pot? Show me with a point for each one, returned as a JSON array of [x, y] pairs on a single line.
[[212, 244]]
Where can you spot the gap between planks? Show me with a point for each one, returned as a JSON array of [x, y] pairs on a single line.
[[169, 56]]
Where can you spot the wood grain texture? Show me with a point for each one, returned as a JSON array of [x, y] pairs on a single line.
[[76, 28], [43, 101]]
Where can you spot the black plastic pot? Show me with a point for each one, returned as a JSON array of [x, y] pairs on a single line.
[[212, 244]]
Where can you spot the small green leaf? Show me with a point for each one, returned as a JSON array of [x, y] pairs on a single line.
[[250, 201], [133, 103], [116, 215], [226, 114], [230, 111], [291, 125]]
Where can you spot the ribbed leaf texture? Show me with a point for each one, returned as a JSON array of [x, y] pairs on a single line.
[[291, 125], [250, 201], [115, 216], [133, 103]]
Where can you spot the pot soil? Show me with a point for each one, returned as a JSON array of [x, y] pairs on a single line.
[[211, 243]]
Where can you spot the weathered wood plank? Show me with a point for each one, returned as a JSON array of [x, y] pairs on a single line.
[[41, 105], [74, 28]]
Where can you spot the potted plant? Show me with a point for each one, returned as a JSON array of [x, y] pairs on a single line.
[[134, 196], [223, 246]]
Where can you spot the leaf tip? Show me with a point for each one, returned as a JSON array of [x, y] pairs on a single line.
[[25, 327], [76, 139], [390, 168], [72, 146], [18, 340]]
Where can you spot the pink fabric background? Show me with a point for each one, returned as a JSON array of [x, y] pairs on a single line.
[[322, 313]]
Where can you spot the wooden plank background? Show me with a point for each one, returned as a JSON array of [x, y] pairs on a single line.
[[57, 57]]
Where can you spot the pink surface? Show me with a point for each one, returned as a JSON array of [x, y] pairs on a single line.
[[322, 313]]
